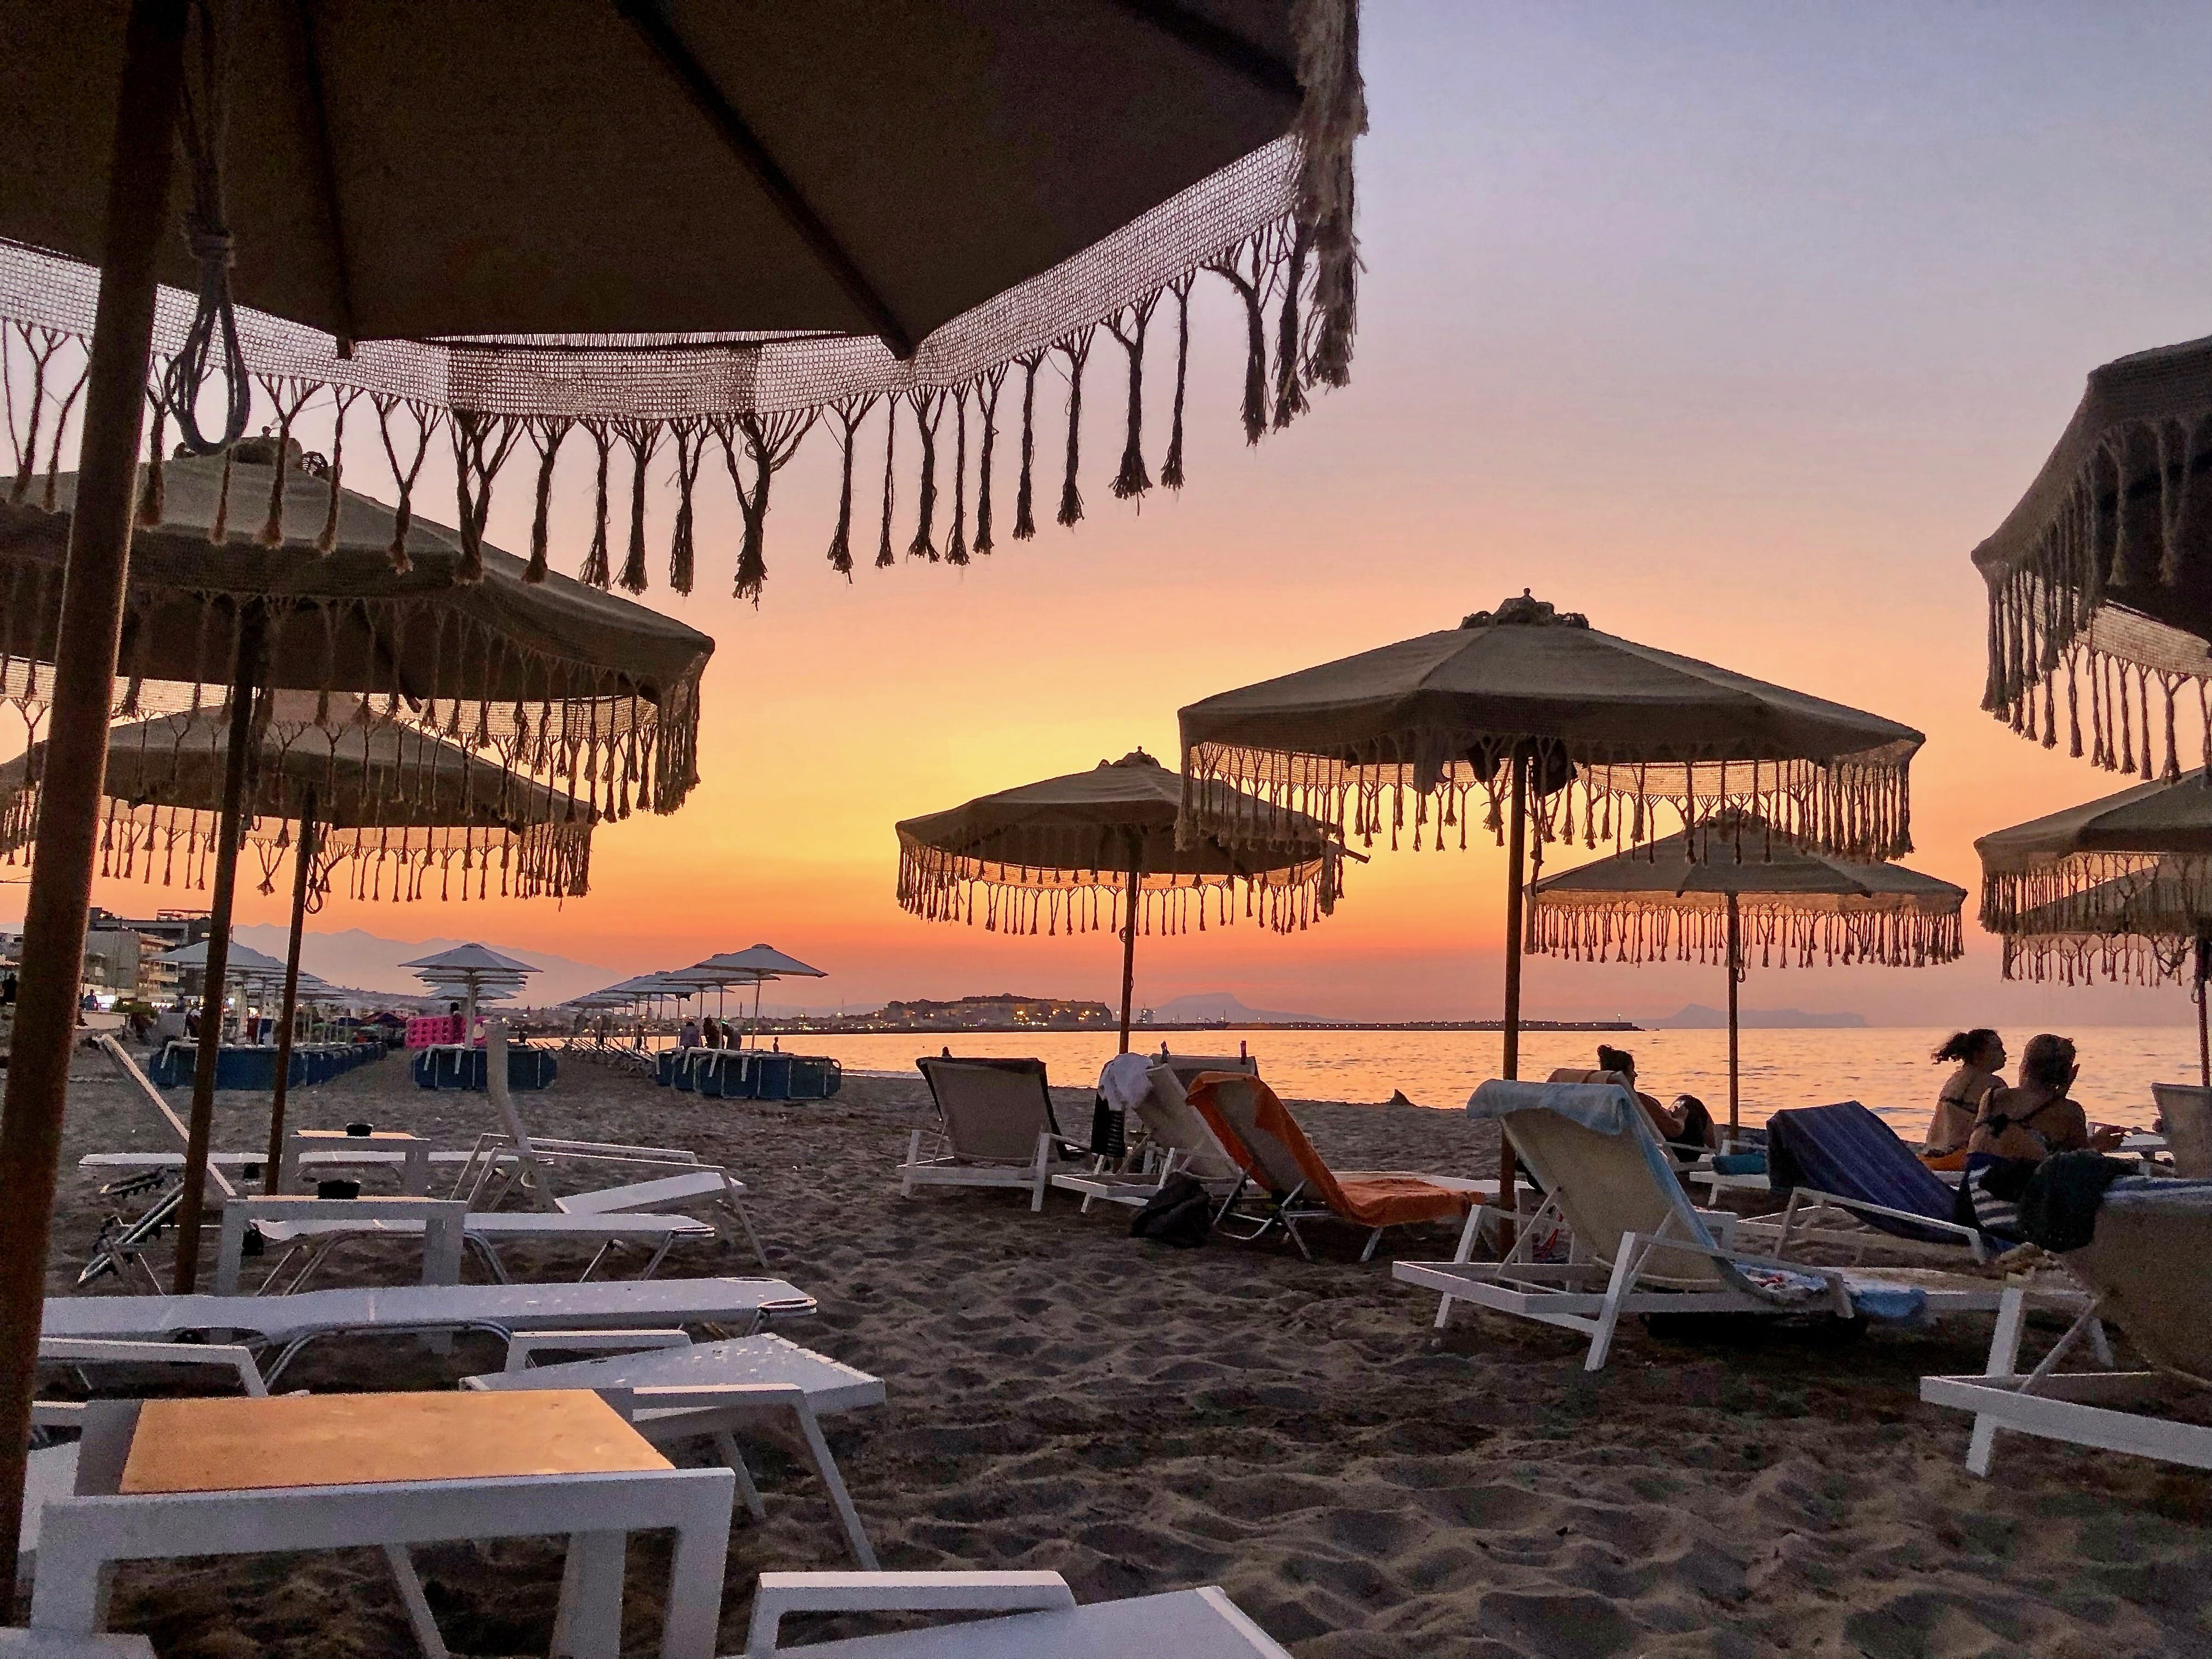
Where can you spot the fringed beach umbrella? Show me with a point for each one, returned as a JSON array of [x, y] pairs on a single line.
[[1552, 725], [1098, 849], [676, 228], [1657, 903], [353, 788], [2101, 577], [2120, 888], [552, 677]]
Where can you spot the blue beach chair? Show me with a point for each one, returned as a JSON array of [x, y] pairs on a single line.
[[1841, 1163]]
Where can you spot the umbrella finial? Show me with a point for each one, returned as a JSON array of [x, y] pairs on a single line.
[[1526, 611]]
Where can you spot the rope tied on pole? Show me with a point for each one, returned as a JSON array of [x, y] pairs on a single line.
[[203, 122]]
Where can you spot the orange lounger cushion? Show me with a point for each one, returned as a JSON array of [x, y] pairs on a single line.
[[1390, 1200]]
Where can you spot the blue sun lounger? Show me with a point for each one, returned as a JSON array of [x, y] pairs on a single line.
[[1841, 1162]]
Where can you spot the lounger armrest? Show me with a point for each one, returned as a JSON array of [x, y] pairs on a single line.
[[781, 1593], [1859, 1205], [1834, 1278], [57, 1414], [86, 1349], [616, 1149], [524, 1345]]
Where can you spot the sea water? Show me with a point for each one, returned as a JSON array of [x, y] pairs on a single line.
[[1885, 1067]]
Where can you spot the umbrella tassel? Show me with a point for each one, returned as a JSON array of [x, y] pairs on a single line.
[[848, 412], [1025, 495], [153, 499], [272, 527], [219, 527], [1171, 472], [595, 573], [690, 450], [326, 539], [1290, 389], [1134, 479], [928, 410], [40, 351], [642, 437], [403, 512], [955, 550], [884, 557], [1077, 348], [481, 443], [987, 401], [1252, 291], [545, 437]]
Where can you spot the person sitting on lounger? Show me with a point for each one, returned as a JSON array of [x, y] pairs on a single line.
[[1980, 1055], [2017, 1129], [1687, 1127]]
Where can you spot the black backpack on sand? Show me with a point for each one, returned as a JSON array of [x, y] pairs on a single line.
[[1181, 1213]]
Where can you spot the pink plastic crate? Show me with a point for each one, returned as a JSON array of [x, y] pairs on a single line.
[[424, 1033]]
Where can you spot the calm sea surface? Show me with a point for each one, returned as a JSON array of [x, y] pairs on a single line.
[[1886, 1068]]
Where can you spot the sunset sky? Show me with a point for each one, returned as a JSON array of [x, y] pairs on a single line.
[[1734, 326]]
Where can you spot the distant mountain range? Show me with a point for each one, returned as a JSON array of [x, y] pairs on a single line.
[[1221, 1006], [1698, 1017]]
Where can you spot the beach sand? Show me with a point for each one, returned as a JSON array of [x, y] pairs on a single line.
[[1141, 1418]]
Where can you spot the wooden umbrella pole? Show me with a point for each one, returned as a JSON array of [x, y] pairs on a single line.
[[1516, 854], [83, 690], [1131, 895], [1734, 976], [300, 872], [200, 1126]]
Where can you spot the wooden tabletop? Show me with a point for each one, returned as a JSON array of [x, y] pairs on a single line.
[[340, 1134], [240, 1444]]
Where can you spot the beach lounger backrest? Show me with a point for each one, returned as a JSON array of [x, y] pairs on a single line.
[[2151, 1259], [1608, 1180], [2188, 1113], [1169, 1119], [1259, 1131], [993, 1110], [1188, 1068], [1846, 1150]]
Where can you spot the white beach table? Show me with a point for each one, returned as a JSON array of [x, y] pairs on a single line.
[[293, 1321], [1192, 1624], [163, 1478]]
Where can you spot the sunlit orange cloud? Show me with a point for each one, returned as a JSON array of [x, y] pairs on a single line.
[[1681, 326]]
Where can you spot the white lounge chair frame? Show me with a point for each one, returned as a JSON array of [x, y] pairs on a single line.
[[1637, 1279], [1177, 1141], [85, 1535], [677, 1398], [1809, 1214], [1054, 1154], [288, 1323], [1046, 1622]]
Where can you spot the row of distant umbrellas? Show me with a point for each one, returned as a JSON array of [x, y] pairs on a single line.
[[755, 965]]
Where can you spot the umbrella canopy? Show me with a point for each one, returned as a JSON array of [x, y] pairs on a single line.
[[2103, 571], [554, 679], [1057, 856], [377, 791], [472, 959], [1053, 856], [1649, 904], [690, 228], [1625, 726], [756, 962], [244, 961], [2132, 871], [1659, 904]]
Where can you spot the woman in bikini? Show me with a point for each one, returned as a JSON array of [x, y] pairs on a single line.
[[1980, 1055], [2017, 1129]]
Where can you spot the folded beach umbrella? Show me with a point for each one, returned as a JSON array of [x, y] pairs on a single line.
[[1657, 903], [2101, 577], [2120, 886], [1098, 848], [1554, 725], [658, 225]]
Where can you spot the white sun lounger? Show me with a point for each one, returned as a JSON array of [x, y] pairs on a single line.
[[445, 1226], [1040, 1619], [684, 1391], [291, 1323], [1637, 1246], [1177, 1141], [997, 1129], [2148, 1269]]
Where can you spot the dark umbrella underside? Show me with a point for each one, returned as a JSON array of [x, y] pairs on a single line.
[[1086, 163]]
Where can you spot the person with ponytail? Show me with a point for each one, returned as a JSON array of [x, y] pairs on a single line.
[[1979, 1055]]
